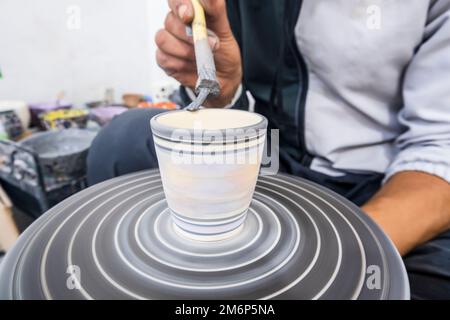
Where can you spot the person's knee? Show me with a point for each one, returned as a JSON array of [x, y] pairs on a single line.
[[428, 269], [123, 146]]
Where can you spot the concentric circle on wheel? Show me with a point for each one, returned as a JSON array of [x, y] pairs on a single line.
[[117, 240]]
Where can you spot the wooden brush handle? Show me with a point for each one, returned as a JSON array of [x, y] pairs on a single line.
[[199, 29], [206, 68]]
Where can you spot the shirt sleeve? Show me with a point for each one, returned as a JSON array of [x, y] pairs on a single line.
[[425, 144]]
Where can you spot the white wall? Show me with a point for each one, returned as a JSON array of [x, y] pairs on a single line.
[[44, 50]]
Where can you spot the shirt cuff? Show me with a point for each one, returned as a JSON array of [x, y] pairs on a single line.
[[235, 99], [431, 160]]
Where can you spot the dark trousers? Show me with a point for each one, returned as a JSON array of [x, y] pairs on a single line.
[[126, 146]]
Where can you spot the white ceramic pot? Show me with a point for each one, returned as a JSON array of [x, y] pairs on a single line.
[[20, 108], [209, 162]]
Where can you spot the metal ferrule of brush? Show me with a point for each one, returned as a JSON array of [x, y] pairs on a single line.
[[206, 70]]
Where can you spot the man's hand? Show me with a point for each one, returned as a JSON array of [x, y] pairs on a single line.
[[412, 208], [175, 54]]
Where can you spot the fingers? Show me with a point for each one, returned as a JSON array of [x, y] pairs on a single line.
[[174, 41], [172, 46], [173, 65], [215, 10], [181, 70], [176, 54], [177, 28], [182, 9], [174, 26]]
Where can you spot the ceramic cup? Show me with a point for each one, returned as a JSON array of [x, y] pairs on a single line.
[[209, 162]]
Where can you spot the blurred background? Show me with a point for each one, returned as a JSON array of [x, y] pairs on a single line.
[[67, 69], [79, 47]]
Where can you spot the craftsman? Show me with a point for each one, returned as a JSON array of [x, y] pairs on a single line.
[[360, 91]]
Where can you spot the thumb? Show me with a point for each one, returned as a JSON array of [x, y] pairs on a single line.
[[183, 9], [215, 11]]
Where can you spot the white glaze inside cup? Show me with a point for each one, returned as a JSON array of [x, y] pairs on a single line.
[[210, 119]]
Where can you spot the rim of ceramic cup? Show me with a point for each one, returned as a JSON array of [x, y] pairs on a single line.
[[166, 132]]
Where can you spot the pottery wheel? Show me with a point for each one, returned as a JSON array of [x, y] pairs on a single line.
[[116, 240]]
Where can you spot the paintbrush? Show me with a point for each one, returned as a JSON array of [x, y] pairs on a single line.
[[207, 83]]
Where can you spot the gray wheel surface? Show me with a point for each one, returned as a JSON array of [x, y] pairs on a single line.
[[116, 240]]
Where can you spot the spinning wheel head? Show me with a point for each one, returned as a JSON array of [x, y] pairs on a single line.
[[116, 240]]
